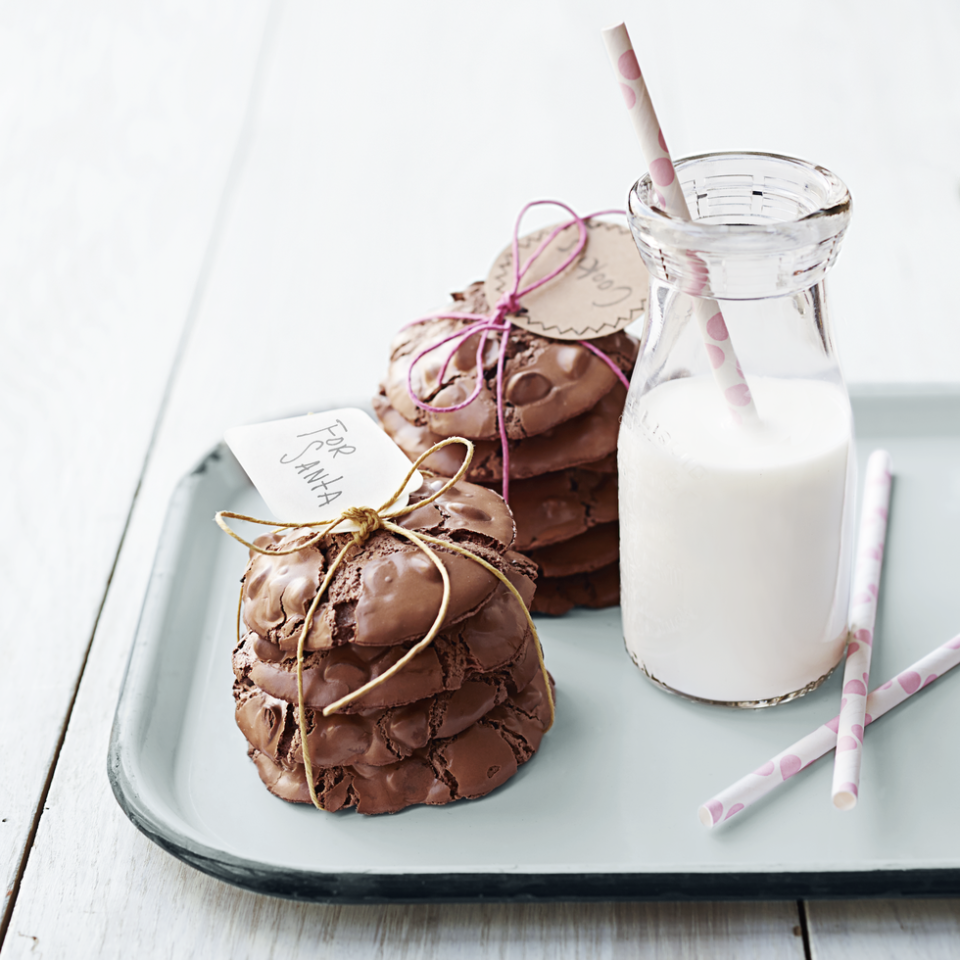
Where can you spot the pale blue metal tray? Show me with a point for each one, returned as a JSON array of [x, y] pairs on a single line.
[[607, 809]]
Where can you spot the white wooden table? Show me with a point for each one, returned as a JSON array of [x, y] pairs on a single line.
[[216, 212]]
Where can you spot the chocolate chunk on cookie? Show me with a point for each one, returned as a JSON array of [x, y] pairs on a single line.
[[546, 382], [465, 509], [587, 440]]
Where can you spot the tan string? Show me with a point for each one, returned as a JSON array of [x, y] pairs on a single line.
[[348, 514], [369, 521]]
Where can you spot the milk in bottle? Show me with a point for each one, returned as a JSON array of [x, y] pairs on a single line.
[[734, 560], [736, 539]]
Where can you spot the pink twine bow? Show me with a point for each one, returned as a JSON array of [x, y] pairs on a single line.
[[484, 325]]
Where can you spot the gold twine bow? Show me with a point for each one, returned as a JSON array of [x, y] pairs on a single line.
[[369, 521]]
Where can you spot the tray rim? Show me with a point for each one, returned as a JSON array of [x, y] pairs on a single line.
[[395, 886]]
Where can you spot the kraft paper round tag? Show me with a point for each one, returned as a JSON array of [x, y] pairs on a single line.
[[601, 292]]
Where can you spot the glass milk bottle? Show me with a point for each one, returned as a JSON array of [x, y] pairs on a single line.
[[736, 540]]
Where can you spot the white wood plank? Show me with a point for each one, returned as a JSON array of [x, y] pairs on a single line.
[[95, 887], [397, 147], [375, 184], [116, 140], [174, 911], [884, 929]]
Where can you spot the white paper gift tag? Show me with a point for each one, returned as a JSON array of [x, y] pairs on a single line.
[[314, 467]]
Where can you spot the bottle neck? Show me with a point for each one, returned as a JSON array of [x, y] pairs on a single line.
[[765, 226]]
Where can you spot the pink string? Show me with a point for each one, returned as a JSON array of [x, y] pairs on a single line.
[[484, 325], [501, 424], [607, 361]]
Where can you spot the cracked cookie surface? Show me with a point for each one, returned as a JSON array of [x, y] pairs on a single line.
[[597, 547], [559, 506], [599, 588], [588, 440], [546, 382], [497, 638], [468, 765], [387, 591]]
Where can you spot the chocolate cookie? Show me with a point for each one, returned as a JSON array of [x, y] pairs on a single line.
[[373, 737], [495, 639], [598, 547], [387, 591], [557, 595], [589, 439], [469, 765], [546, 382], [607, 464], [558, 506]]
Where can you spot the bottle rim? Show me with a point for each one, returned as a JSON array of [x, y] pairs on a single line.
[[828, 204]]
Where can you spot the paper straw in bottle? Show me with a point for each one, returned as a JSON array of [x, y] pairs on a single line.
[[863, 616], [801, 754], [723, 359]]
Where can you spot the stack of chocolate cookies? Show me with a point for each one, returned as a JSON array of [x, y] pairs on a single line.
[[455, 722], [562, 407]]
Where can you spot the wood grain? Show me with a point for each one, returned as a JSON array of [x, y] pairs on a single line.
[[366, 195], [117, 137], [884, 929], [92, 879], [96, 887]]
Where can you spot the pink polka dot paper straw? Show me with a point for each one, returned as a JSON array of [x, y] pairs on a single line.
[[863, 616], [723, 360], [800, 755]]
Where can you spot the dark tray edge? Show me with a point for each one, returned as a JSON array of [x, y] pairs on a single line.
[[500, 887], [356, 888]]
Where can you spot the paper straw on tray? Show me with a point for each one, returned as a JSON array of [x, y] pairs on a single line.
[[863, 616], [795, 758], [723, 359]]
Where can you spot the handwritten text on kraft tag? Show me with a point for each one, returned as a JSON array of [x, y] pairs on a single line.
[[313, 473]]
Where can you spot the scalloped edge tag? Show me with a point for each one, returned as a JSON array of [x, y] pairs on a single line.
[[603, 291]]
